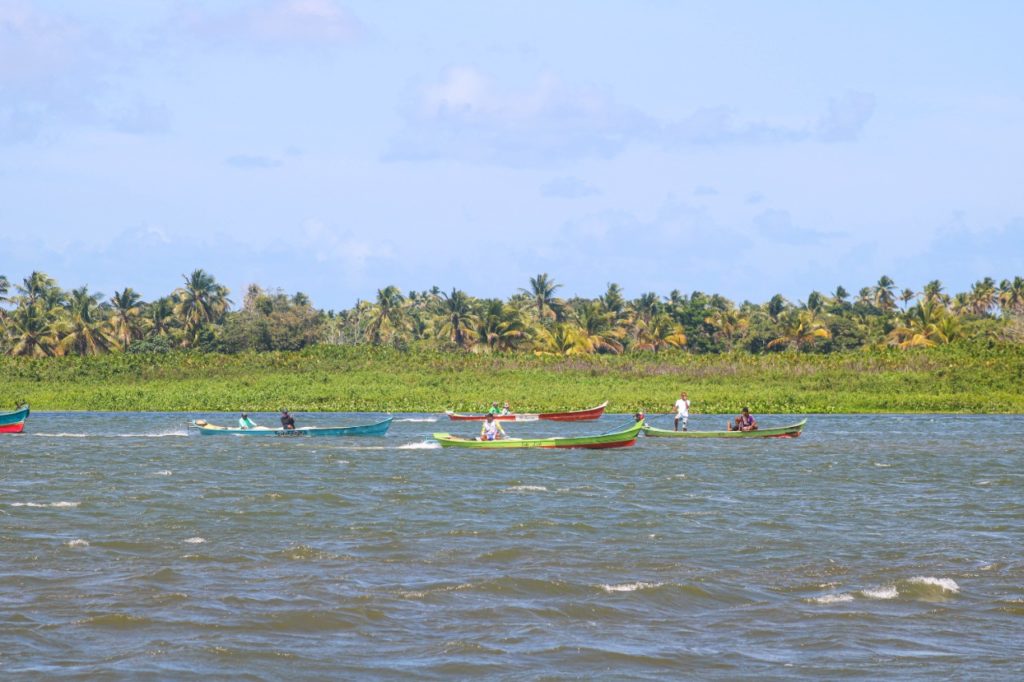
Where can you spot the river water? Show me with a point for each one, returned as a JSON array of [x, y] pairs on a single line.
[[871, 547]]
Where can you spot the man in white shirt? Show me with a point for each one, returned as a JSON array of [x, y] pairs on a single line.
[[682, 410]]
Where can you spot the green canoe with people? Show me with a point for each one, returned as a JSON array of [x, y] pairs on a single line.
[[791, 431]]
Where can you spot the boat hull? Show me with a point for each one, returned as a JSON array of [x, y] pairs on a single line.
[[16, 427], [14, 420], [573, 416], [376, 429], [791, 431], [14, 416], [618, 439]]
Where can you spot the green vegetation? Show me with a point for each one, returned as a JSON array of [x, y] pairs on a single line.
[[883, 350], [961, 377]]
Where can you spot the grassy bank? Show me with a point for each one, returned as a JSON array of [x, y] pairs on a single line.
[[948, 379]]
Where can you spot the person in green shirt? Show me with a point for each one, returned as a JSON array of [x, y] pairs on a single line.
[[494, 408], [245, 423]]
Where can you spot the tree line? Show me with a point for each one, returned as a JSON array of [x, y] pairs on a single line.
[[40, 319]]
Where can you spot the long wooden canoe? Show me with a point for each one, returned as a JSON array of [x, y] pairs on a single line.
[[574, 416], [791, 431], [375, 429], [13, 421], [617, 439]]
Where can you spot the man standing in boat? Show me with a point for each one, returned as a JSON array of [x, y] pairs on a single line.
[[682, 410], [491, 428]]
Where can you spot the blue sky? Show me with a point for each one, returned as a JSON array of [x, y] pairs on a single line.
[[743, 148]]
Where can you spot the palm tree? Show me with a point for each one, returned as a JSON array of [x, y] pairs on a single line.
[[83, 330], [32, 331], [457, 309], [612, 300], [884, 296], [499, 327], [388, 319], [661, 332], [201, 302], [597, 328], [983, 296], [840, 295], [562, 339], [1011, 296], [126, 320], [729, 325], [799, 330], [906, 296], [932, 293], [542, 293], [776, 306], [160, 314], [39, 286]]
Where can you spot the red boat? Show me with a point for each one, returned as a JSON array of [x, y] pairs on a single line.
[[576, 416], [14, 421]]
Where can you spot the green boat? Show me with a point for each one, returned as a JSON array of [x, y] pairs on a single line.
[[616, 439], [791, 431]]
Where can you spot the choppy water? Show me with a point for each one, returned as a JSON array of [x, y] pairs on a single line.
[[872, 547]]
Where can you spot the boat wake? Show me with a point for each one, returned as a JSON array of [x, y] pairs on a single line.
[[420, 446], [417, 419]]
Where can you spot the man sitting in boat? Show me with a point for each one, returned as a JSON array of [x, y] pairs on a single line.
[[491, 428], [287, 422], [245, 423], [494, 409], [506, 410], [744, 422]]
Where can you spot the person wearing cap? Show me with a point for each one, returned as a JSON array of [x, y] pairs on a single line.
[[287, 422], [491, 428], [494, 408], [245, 423], [744, 422]]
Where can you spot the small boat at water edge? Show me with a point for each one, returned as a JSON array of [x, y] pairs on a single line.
[[13, 421], [376, 429], [572, 416], [791, 431], [616, 439]]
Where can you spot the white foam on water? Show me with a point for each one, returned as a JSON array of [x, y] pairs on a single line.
[[887, 592], [195, 541], [344, 461], [63, 435], [527, 488], [947, 584], [833, 599], [420, 446], [417, 419], [78, 543], [157, 434], [882, 465], [163, 472], [629, 587], [983, 483], [56, 505]]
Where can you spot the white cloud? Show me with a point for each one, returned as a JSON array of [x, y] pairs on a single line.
[[569, 188], [302, 23], [464, 115]]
